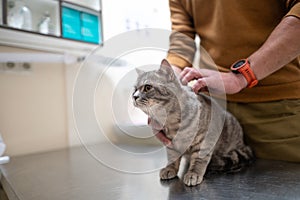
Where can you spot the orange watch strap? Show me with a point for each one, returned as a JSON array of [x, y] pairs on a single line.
[[246, 71], [249, 75]]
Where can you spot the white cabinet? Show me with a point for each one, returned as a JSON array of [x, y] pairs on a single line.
[[53, 21]]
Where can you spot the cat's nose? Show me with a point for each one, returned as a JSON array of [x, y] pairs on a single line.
[[136, 95]]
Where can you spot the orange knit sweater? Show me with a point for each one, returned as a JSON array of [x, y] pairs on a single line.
[[230, 30]]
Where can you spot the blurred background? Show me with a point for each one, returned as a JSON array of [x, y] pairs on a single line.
[[43, 44]]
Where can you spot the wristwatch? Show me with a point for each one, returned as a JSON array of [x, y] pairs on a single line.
[[243, 67]]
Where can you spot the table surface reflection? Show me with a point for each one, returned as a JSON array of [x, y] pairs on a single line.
[[77, 174]]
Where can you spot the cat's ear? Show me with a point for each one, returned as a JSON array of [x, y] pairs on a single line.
[[165, 63], [139, 71], [167, 68]]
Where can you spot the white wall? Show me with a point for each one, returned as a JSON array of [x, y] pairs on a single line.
[[33, 108], [120, 16]]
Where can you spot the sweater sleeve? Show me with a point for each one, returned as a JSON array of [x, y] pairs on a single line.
[[293, 7], [182, 44]]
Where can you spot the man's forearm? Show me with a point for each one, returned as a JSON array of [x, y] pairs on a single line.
[[282, 46]]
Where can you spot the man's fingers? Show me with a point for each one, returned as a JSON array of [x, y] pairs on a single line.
[[161, 137], [199, 85], [156, 130], [184, 72], [211, 84], [189, 74]]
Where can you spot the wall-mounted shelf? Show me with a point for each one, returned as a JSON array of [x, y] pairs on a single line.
[[72, 25], [11, 37]]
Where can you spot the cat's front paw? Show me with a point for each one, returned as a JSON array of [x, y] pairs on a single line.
[[192, 179], [167, 173]]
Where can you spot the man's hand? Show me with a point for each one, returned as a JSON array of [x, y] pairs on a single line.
[[158, 132], [216, 82]]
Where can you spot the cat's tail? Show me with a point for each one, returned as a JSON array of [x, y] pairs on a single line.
[[234, 161]]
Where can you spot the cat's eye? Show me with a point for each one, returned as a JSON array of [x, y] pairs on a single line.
[[147, 88]]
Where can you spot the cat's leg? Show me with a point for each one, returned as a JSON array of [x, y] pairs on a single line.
[[170, 171], [197, 169]]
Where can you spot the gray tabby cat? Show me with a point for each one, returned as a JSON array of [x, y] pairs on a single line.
[[186, 119]]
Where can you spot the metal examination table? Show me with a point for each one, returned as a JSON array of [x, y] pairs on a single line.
[[72, 174]]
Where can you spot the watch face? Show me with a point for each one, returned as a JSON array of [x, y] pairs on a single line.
[[238, 64]]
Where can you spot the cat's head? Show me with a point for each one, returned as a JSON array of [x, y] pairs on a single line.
[[155, 87]]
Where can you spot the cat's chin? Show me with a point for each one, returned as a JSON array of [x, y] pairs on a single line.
[[135, 104], [138, 105], [142, 108]]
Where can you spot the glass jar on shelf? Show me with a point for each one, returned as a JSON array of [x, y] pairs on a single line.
[[44, 24], [19, 15]]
